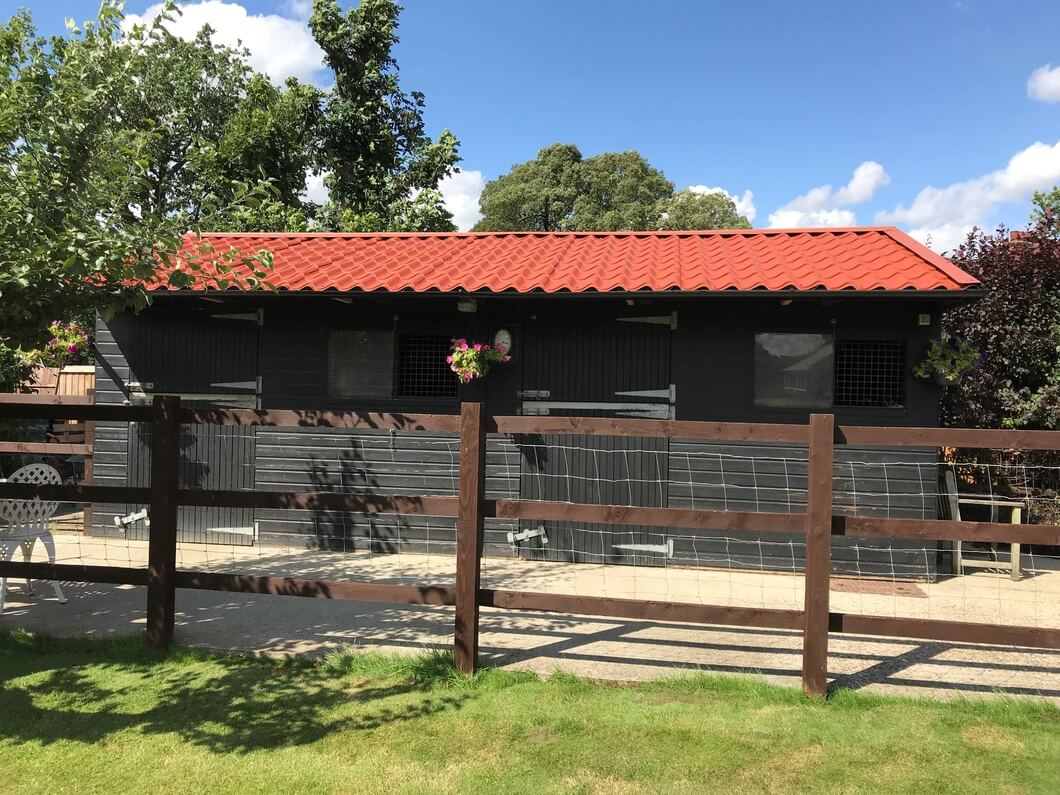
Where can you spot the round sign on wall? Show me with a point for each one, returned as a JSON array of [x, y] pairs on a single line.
[[502, 340]]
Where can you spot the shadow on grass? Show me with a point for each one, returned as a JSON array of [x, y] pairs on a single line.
[[87, 691]]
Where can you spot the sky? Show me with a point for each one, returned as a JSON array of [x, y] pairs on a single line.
[[931, 115]]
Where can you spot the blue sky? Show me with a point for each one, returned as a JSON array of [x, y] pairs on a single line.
[[934, 115]]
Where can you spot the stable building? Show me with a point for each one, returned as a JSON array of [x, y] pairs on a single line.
[[741, 325]]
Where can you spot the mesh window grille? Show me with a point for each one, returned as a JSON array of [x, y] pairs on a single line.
[[870, 373], [422, 369]]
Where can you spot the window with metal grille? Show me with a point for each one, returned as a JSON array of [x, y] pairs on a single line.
[[870, 373], [422, 369]]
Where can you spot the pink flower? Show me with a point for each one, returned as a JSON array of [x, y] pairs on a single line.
[[449, 359], [506, 358], [461, 344], [53, 341], [71, 348], [478, 346]]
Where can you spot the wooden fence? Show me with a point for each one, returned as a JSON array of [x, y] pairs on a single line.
[[470, 508]]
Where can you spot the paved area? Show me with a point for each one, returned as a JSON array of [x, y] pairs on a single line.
[[613, 649]]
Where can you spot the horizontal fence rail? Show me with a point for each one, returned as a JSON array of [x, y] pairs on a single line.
[[980, 438], [317, 589], [692, 518], [319, 501], [46, 448], [946, 530], [642, 609], [440, 423], [669, 429], [470, 508]]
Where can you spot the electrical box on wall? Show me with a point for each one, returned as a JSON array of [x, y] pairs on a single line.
[[923, 319]]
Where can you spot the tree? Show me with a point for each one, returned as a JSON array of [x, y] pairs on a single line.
[[619, 190], [1045, 206], [1016, 328], [561, 190], [268, 131], [178, 96], [690, 210], [74, 236], [374, 147], [113, 144], [536, 196]]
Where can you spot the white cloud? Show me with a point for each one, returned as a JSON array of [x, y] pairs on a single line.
[[1044, 84], [315, 189], [460, 194], [461, 191], [942, 238], [869, 177], [279, 46], [826, 206], [745, 204], [787, 219], [298, 8], [945, 215]]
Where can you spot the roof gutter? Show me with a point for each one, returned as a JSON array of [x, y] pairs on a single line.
[[967, 293]]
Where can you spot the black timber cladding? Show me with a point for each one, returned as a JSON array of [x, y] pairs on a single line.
[[708, 364]]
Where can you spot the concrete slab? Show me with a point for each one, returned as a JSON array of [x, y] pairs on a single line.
[[602, 648]]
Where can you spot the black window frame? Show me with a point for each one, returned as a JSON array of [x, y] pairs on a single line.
[[758, 403], [901, 377], [329, 381]]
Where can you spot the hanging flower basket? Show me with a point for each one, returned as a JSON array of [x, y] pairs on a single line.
[[948, 361], [471, 360]]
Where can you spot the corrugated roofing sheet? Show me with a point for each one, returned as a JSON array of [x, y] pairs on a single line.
[[857, 259]]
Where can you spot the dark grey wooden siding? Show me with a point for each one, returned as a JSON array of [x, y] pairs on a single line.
[[373, 462], [592, 357], [110, 464], [709, 364], [212, 457], [898, 483]]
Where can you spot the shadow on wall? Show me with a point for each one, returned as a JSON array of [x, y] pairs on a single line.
[[378, 466]]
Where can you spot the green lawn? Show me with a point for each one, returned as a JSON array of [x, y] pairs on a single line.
[[78, 716]]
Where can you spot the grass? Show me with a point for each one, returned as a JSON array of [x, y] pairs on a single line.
[[91, 716]]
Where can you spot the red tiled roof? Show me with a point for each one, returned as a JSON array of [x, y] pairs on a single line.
[[856, 259]]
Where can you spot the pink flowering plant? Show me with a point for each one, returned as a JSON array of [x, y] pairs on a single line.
[[68, 345], [471, 360]]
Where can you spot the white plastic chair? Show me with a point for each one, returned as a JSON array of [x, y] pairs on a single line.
[[22, 522]]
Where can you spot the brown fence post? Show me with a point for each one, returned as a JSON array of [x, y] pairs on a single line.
[[818, 554], [162, 544], [469, 534], [90, 440]]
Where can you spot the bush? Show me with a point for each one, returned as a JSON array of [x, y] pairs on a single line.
[[15, 367], [1015, 327]]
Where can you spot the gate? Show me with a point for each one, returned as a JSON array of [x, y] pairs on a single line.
[[212, 362], [611, 367]]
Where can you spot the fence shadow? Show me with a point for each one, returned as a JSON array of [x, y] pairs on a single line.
[[243, 709]]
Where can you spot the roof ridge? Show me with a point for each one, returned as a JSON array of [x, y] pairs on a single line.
[[763, 232]]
